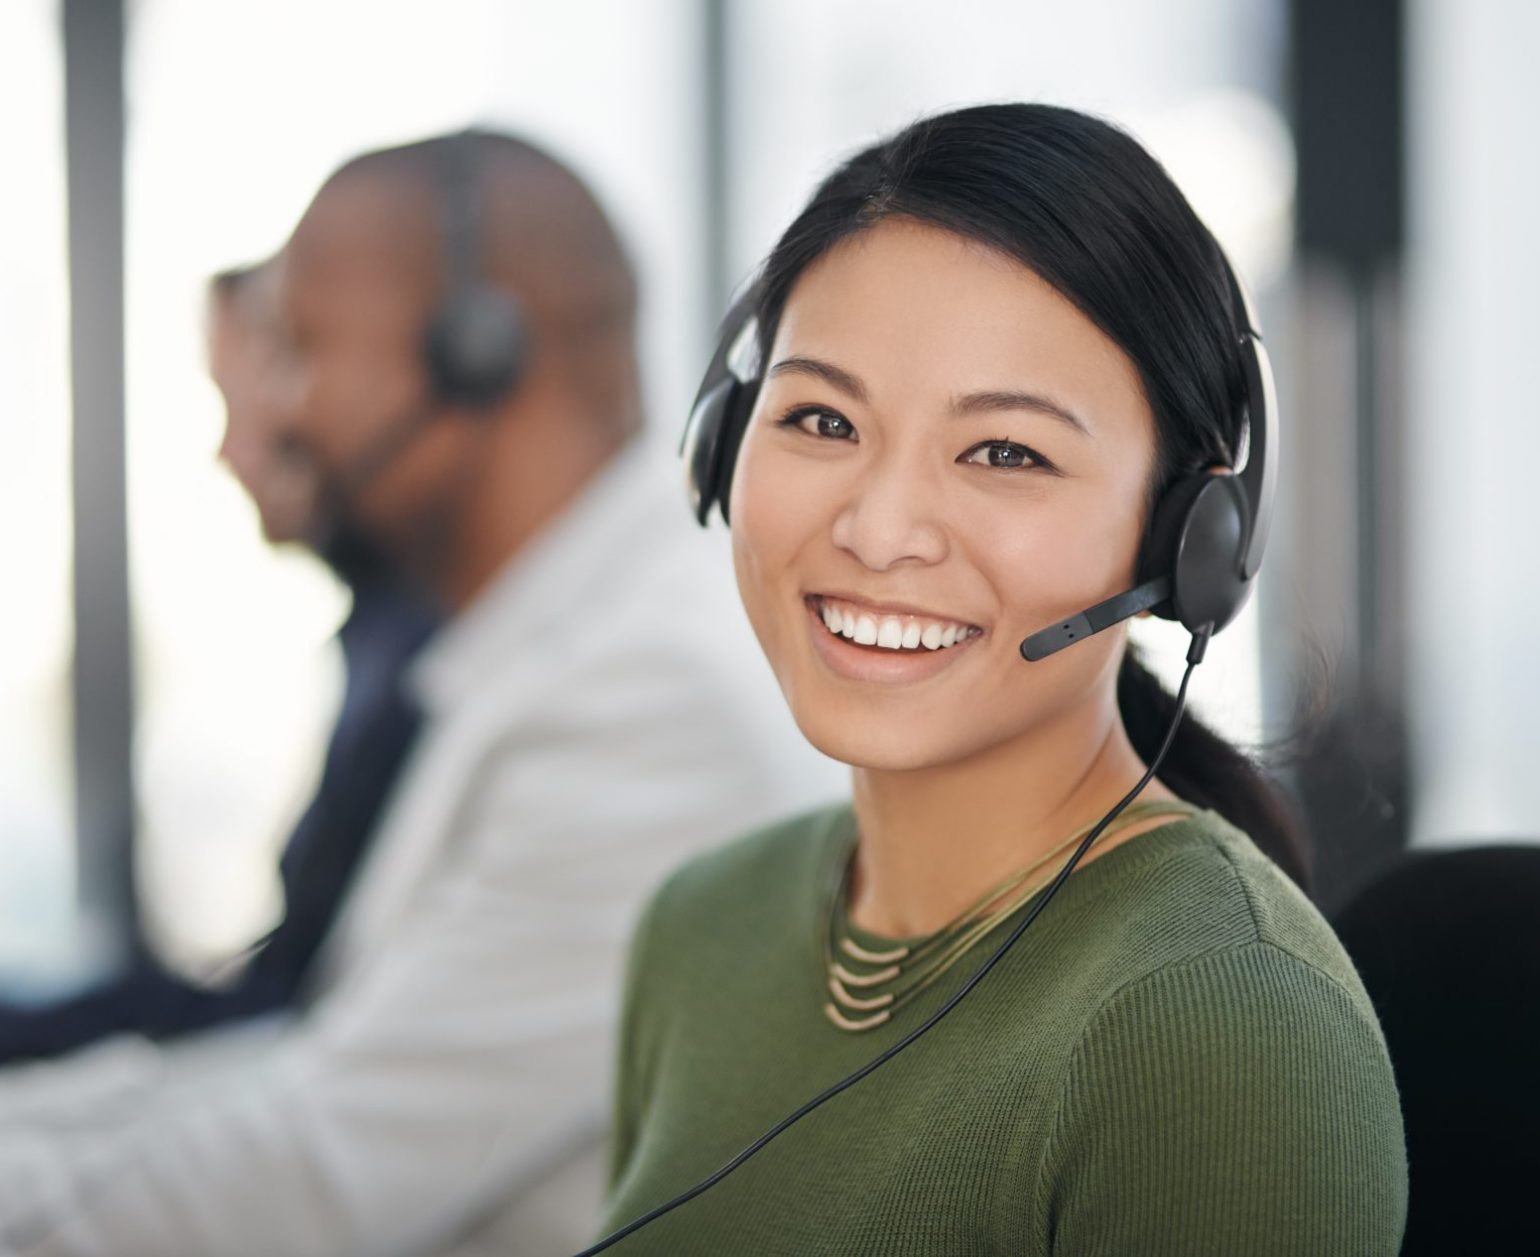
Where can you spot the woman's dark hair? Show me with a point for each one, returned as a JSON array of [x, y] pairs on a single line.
[[1084, 206]]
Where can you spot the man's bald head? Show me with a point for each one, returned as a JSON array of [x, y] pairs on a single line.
[[538, 235], [449, 489], [542, 233]]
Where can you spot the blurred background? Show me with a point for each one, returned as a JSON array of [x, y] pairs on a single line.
[[166, 680]]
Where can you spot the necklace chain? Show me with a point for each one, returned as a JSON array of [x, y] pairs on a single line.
[[873, 985]]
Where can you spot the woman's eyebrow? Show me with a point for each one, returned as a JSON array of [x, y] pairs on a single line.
[[836, 377], [1010, 399], [969, 404]]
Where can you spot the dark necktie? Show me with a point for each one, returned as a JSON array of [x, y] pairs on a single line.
[[375, 731]]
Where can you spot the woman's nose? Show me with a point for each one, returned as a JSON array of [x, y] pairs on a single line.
[[892, 517]]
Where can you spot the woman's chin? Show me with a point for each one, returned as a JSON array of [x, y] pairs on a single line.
[[878, 744]]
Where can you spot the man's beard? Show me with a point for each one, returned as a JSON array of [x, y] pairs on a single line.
[[346, 545], [410, 560]]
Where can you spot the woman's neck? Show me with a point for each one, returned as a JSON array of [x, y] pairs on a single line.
[[933, 840]]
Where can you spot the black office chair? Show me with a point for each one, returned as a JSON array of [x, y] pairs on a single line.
[[1448, 944]]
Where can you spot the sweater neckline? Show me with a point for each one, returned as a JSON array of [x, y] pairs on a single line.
[[841, 837]]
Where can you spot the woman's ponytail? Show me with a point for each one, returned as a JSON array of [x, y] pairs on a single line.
[[1204, 769]]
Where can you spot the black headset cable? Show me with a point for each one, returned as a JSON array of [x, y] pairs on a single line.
[[1195, 655]]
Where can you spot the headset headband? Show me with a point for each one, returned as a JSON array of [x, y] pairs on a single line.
[[476, 341]]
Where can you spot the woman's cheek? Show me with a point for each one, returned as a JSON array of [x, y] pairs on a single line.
[[1070, 560], [761, 540], [779, 500]]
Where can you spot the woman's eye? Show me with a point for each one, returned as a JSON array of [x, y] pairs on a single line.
[[824, 423], [1001, 454]]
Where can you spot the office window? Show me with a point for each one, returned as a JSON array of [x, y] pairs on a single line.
[[36, 778]]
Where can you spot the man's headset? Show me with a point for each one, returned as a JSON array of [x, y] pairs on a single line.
[[1199, 560], [475, 343]]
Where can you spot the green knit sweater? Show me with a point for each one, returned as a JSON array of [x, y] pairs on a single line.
[[1177, 1058]]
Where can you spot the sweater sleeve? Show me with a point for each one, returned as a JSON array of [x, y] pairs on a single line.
[[1242, 1102], [632, 1059]]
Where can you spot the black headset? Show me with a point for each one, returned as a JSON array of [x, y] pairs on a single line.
[[1204, 543], [475, 343]]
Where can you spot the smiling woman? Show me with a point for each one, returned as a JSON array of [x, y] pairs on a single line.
[[943, 476], [991, 346]]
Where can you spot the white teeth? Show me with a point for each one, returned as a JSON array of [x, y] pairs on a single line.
[[891, 632]]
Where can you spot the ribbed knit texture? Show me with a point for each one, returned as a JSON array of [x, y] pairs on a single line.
[[1177, 1058]]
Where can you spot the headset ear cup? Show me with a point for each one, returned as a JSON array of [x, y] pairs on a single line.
[[721, 411], [475, 348], [1158, 556], [1208, 583], [735, 423], [711, 441], [701, 448]]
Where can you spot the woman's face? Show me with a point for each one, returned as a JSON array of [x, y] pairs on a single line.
[[945, 457]]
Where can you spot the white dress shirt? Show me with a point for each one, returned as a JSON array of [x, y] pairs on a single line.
[[599, 713]]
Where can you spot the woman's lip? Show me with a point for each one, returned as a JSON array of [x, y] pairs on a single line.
[[875, 663], [884, 608]]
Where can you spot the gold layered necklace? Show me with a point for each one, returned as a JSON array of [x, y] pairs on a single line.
[[869, 986]]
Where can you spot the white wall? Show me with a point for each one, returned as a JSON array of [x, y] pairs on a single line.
[[1473, 590], [36, 776]]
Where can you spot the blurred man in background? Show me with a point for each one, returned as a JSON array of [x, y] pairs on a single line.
[[375, 726], [466, 407]]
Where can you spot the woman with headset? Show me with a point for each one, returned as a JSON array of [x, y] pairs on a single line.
[[983, 401]]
